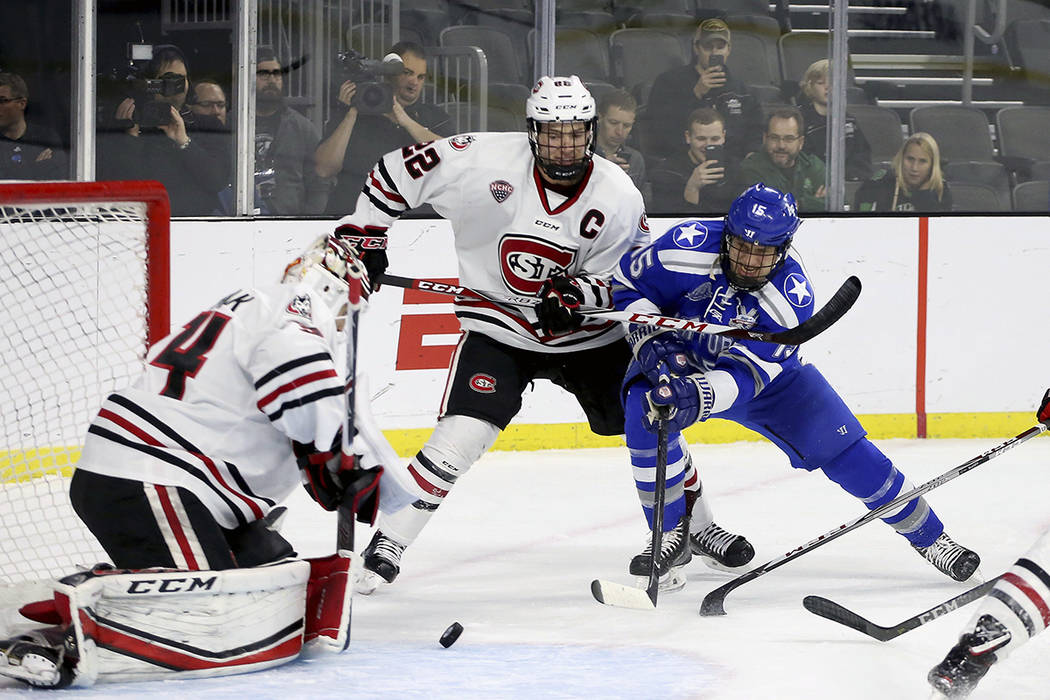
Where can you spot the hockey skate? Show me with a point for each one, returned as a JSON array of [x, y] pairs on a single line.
[[720, 549], [37, 657], [382, 562], [950, 558], [674, 555], [716, 547], [970, 659]]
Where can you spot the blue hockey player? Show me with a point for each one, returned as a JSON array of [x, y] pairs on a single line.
[[739, 271]]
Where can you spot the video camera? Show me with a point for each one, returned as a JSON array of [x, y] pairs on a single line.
[[149, 112], [374, 94]]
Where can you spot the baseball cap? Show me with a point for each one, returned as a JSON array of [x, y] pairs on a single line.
[[713, 29]]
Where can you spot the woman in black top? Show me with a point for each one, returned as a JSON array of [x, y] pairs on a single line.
[[914, 184]]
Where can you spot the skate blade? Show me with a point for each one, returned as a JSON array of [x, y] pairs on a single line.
[[712, 563], [366, 582]]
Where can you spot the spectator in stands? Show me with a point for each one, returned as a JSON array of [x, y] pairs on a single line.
[[355, 140], [28, 151], [207, 101], [914, 184], [704, 83], [813, 103], [783, 164], [700, 178], [150, 140], [286, 180], [616, 114]]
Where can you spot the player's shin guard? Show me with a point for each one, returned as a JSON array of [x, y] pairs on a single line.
[[642, 446], [863, 471], [456, 443], [123, 625]]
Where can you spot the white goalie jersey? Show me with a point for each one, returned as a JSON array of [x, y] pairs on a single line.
[[511, 232], [219, 399]]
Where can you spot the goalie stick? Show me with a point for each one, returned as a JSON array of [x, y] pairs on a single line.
[[714, 602], [617, 594], [355, 302], [836, 613], [837, 306]]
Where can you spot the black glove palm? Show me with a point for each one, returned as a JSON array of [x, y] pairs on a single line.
[[556, 312]]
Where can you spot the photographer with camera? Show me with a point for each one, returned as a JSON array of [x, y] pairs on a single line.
[[700, 178], [378, 110], [707, 82], [148, 138]]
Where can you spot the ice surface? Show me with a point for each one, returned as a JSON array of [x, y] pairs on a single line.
[[512, 552]]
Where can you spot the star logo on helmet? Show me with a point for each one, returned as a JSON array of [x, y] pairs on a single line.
[[796, 289], [691, 236]]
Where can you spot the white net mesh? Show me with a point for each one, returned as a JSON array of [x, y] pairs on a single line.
[[75, 294]]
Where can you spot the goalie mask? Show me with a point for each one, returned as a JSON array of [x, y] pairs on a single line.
[[326, 266], [562, 122], [757, 234]]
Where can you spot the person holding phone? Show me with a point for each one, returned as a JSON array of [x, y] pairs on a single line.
[[707, 82], [701, 177]]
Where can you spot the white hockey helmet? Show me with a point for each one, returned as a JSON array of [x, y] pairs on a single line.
[[325, 266], [560, 99]]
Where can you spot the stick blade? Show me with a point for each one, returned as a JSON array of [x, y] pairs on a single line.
[[714, 602], [831, 610], [620, 596], [841, 302]]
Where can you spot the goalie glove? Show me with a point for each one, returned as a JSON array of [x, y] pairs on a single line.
[[333, 479], [657, 348], [1043, 414], [681, 401], [369, 245], [561, 296]]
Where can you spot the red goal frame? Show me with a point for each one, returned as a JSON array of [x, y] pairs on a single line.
[[158, 215]]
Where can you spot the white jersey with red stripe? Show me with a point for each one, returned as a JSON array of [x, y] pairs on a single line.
[[511, 232], [219, 399]]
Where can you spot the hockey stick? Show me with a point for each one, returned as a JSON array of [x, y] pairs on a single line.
[[355, 302], [617, 594], [714, 602], [828, 314], [836, 613]]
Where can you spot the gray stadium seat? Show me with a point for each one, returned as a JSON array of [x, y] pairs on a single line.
[[1033, 195], [639, 55], [1024, 133], [1040, 170], [581, 52], [504, 64], [961, 132], [746, 29], [970, 196], [752, 7], [981, 172], [881, 127], [466, 117], [749, 61], [1029, 45]]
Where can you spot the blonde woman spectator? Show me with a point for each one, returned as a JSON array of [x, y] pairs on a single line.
[[813, 102], [914, 184]]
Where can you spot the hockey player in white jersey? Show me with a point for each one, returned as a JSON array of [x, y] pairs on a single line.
[[177, 477], [532, 214], [1014, 611]]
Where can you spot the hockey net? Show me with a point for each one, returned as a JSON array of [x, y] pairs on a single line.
[[85, 290]]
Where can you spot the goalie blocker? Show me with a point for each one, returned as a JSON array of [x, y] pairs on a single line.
[[156, 624]]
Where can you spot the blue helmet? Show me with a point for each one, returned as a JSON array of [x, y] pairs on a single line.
[[760, 216]]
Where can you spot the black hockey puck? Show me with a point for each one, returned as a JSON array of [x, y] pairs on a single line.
[[450, 635]]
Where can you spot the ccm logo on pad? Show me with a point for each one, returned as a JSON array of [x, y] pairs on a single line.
[[172, 585], [483, 384]]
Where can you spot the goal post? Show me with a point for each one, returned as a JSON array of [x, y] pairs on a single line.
[[85, 275]]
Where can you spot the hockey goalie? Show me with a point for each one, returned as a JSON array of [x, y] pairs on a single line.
[[180, 478]]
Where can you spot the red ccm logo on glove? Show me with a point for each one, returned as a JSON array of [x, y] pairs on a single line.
[[527, 262]]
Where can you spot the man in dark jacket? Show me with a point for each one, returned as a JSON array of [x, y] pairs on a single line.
[[28, 151], [678, 92]]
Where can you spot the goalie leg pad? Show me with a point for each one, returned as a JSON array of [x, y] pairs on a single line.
[[328, 604], [161, 624]]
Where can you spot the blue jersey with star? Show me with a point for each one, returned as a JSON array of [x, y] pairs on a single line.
[[679, 274]]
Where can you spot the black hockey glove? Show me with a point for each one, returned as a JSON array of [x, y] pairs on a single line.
[[369, 245], [556, 312], [1044, 408]]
